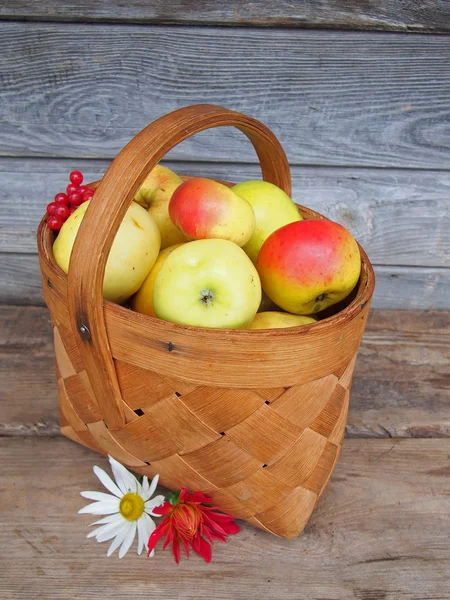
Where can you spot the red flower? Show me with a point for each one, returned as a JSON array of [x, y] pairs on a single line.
[[190, 519]]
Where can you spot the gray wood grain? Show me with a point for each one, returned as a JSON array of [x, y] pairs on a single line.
[[380, 532], [334, 98], [418, 288], [401, 385], [400, 217], [414, 15]]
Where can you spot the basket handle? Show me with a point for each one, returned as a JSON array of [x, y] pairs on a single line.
[[106, 211]]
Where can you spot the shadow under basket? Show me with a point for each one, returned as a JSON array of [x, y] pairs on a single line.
[[254, 418]]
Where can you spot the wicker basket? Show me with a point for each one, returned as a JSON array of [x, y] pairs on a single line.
[[254, 418]]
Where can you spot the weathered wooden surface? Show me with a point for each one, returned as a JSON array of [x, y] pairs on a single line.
[[401, 385], [380, 532], [333, 98], [400, 217], [337, 14]]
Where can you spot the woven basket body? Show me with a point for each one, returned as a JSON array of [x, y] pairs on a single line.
[[254, 418]]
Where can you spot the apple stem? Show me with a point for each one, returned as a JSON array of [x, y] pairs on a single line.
[[206, 296]]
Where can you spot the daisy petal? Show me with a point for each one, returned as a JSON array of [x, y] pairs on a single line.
[[124, 479], [109, 519], [99, 508], [145, 487], [152, 554], [105, 532], [121, 535], [150, 526], [141, 535], [153, 485], [128, 540], [107, 482], [153, 503], [145, 526], [99, 496]]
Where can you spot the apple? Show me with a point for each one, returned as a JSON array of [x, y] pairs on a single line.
[[309, 265], [276, 319], [207, 283], [272, 207], [142, 301], [154, 195], [133, 252], [203, 209]]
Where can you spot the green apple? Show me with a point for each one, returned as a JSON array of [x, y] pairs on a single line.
[[272, 207], [154, 195], [277, 319], [133, 252], [207, 283]]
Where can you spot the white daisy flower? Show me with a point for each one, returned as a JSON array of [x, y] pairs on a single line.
[[128, 509]]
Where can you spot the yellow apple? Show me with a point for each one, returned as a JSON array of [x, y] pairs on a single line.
[[142, 301], [154, 195], [133, 252], [272, 207], [276, 319], [207, 283], [204, 209]]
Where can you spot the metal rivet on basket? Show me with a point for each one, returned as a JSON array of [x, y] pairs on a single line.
[[84, 332]]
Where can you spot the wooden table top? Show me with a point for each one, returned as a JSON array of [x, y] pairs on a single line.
[[380, 532]]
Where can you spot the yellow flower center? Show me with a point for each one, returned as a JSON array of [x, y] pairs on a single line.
[[131, 506], [187, 519]]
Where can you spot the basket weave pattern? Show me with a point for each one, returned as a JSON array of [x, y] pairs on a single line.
[[258, 452], [254, 418]]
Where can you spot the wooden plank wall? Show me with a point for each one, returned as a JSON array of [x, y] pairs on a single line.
[[363, 115]]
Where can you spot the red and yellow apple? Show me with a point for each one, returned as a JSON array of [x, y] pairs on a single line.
[[205, 209], [207, 283], [272, 207], [142, 301], [276, 319], [154, 195], [309, 265]]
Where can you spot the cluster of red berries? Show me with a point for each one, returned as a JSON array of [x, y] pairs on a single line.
[[65, 203]]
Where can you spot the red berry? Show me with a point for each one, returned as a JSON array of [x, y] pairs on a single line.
[[62, 199], [73, 209], [76, 177], [75, 198], [54, 223], [51, 208], [62, 212], [88, 195], [72, 188]]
